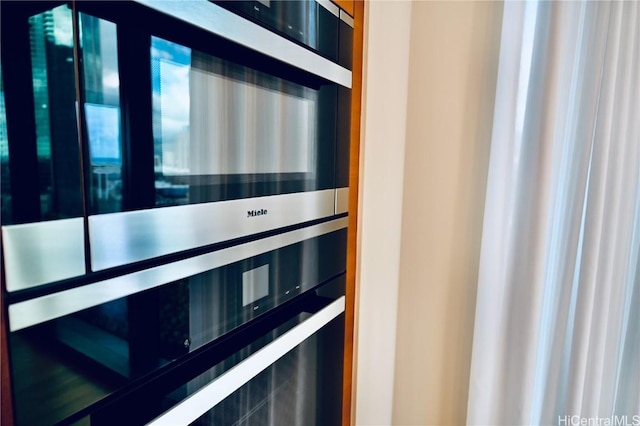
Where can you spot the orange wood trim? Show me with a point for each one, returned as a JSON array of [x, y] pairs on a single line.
[[6, 406], [354, 161], [347, 5]]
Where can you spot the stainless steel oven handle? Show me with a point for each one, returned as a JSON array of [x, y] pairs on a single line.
[[342, 200], [42, 252], [215, 392], [346, 18], [122, 238], [226, 24], [331, 7]]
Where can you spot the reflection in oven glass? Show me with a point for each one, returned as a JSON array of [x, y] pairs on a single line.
[[303, 387], [283, 394], [106, 346], [5, 188], [54, 96], [215, 121], [101, 84]]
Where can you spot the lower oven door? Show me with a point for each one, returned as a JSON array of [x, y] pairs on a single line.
[[290, 374], [295, 380], [137, 338]]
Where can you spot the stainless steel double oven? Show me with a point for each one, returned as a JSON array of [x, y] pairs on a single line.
[[174, 210]]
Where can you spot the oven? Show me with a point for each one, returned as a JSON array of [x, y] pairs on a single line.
[[138, 130], [127, 349], [174, 210], [290, 375]]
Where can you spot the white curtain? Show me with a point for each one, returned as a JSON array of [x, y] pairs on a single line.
[[557, 330]]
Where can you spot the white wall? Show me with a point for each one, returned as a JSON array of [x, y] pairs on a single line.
[[386, 65], [425, 149], [453, 68]]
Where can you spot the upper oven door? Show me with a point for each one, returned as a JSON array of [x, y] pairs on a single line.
[[223, 108], [136, 130], [224, 130], [229, 127]]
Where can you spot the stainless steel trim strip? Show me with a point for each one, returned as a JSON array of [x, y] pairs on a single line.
[[43, 252], [212, 394], [36, 311], [121, 238], [342, 200], [346, 18], [327, 4], [224, 23]]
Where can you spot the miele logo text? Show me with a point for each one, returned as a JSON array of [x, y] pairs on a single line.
[[252, 213]]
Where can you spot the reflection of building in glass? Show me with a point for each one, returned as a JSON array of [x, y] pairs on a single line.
[[101, 89], [4, 139], [5, 188], [170, 76], [51, 39], [41, 30], [92, 59], [104, 133]]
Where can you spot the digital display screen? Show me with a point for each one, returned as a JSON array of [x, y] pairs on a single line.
[[255, 284]]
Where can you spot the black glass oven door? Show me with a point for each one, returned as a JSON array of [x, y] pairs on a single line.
[[284, 371], [223, 133], [223, 130], [86, 344], [294, 380]]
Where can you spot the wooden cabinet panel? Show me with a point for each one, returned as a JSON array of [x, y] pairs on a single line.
[[350, 364], [347, 5]]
